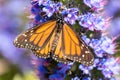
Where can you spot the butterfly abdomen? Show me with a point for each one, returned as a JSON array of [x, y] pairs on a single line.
[[57, 35]]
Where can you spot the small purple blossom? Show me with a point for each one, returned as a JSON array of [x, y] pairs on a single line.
[[99, 63], [87, 40], [51, 8], [85, 69], [86, 78], [75, 78], [40, 2], [70, 15], [92, 22]]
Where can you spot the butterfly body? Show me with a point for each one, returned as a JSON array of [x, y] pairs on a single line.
[[58, 30], [57, 38]]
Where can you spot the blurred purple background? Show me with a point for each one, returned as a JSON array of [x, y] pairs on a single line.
[[113, 10], [13, 21]]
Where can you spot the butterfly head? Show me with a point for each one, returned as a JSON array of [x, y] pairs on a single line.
[[60, 20]]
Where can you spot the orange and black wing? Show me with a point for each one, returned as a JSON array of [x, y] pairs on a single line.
[[38, 39], [44, 52], [58, 53], [74, 48]]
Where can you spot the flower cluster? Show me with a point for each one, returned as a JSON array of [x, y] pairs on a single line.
[[49, 69], [70, 15], [92, 22], [103, 47]]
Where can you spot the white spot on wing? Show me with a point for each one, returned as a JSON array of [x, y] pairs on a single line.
[[24, 35], [25, 40], [31, 31], [83, 55], [86, 52]]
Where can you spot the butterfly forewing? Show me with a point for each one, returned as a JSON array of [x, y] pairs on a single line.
[[36, 38], [44, 52]]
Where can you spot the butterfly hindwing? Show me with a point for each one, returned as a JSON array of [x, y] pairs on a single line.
[[74, 48]]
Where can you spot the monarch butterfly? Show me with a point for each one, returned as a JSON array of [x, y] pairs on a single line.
[[55, 39]]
